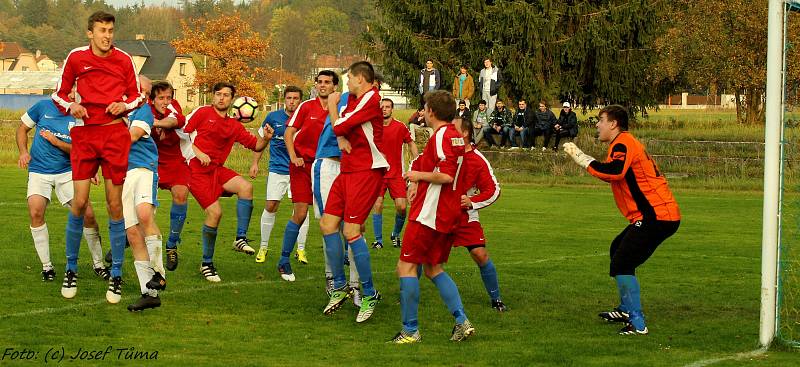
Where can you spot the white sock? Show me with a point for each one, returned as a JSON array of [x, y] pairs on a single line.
[[144, 272], [154, 251], [354, 280], [95, 247], [41, 241], [267, 222], [303, 234]]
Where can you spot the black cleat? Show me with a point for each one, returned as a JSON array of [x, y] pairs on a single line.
[[157, 282], [114, 292], [48, 275], [172, 259], [396, 242], [102, 272], [377, 245], [499, 305], [144, 303], [629, 329], [615, 315]]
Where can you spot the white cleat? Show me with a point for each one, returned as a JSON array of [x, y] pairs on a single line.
[[69, 288], [210, 273]]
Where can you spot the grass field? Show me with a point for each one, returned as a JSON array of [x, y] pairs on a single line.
[[549, 243]]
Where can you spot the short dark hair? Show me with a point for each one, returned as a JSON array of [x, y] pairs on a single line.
[[483, 101], [159, 86], [99, 16], [292, 89], [466, 126], [460, 102], [379, 78], [617, 113], [543, 102], [388, 100], [442, 104], [364, 69], [522, 100], [330, 73], [219, 85]]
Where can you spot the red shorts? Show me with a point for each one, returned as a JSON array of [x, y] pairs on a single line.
[[300, 183], [353, 194], [424, 245], [173, 174], [105, 146], [396, 186], [205, 183], [468, 234]]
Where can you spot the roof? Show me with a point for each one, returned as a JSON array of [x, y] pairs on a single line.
[[160, 56], [29, 79], [11, 50]]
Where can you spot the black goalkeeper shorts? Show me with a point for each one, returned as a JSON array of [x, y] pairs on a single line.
[[636, 244]]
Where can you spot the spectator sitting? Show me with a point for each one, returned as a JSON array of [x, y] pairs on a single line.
[[500, 123], [524, 121], [566, 126], [463, 86], [480, 120], [417, 121], [463, 112], [545, 120]]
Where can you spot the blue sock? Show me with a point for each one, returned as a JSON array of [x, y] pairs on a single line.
[[489, 276], [116, 236], [289, 238], [209, 241], [363, 266], [244, 210], [177, 216], [335, 252], [409, 303], [630, 294], [399, 220], [74, 234], [622, 305], [449, 293], [377, 227]]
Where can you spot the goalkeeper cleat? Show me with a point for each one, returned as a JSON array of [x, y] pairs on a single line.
[[368, 307], [157, 282], [70, 285], [285, 270], [300, 255], [396, 242], [462, 331], [114, 292], [172, 259], [338, 297], [499, 305], [262, 255], [102, 272], [144, 303], [405, 338], [615, 315], [241, 244], [210, 272], [377, 245], [629, 329], [48, 275]]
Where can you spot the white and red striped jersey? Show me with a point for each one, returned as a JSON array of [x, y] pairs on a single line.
[[101, 81], [169, 141], [478, 182], [438, 206], [361, 123], [308, 119]]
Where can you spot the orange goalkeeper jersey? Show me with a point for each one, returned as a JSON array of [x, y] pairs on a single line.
[[640, 190]]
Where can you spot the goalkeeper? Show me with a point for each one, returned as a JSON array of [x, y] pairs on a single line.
[[643, 197]]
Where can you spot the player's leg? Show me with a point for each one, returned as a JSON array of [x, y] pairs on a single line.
[[397, 191], [209, 239], [141, 263], [37, 205], [244, 210], [302, 236], [91, 232], [277, 187], [177, 218], [488, 275], [451, 297], [116, 227], [300, 185], [74, 232], [409, 300], [377, 222], [329, 226], [324, 172], [153, 243]]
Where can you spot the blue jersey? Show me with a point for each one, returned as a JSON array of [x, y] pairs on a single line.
[[328, 146], [144, 152], [46, 158], [278, 155]]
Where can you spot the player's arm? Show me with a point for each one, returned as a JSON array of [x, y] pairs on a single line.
[[133, 93], [413, 149], [333, 115], [58, 143], [61, 97], [357, 116], [447, 168], [254, 166], [22, 145], [288, 138], [488, 190], [615, 168], [168, 122], [432, 177]]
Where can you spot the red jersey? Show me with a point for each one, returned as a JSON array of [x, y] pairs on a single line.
[[169, 140], [361, 123], [101, 81], [439, 206], [478, 182], [308, 119], [214, 135], [394, 136], [640, 190]]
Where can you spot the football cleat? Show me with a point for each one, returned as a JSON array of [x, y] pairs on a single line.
[[356, 293], [262, 255], [377, 245], [48, 275], [396, 242], [338, 297], [629, 329], [144, 303], [328, 285], [102, 272], [210, 272], [114, 292], [368, 307], [241, 245], [499, 305], [300, 255], [285, 270], [172, 259], [70, 285], [405, 338], [346, 259], [157, 282], [615, 315], [462, 331]]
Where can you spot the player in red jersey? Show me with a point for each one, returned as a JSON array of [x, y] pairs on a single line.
[[213, 133], [173, 171], [107, 88], [395, 137], [435, 211]]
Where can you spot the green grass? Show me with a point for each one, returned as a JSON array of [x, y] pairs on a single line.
[[549, 243]]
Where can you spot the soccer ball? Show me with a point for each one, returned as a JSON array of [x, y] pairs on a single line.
[[244, 109]]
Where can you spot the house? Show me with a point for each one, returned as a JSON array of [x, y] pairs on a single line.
[[44, 63], [158, 60], [14, 57]]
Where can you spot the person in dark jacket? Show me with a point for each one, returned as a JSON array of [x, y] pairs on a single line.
[[545, 119], [566, 126], [429, 80], [500, 122], [463, 112], [524, 122]]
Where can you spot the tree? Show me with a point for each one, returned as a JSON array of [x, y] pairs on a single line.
[[34, 12]]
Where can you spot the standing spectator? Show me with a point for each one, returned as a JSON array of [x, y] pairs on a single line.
[[463, 112], [524, 122], [429, 80], [417, 121], [566, 126], [545, 119], [500, 123], [463, 86], [489, 82]]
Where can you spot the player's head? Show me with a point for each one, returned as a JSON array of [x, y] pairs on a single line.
[[612, 120], [439, 106], [223, 95], [487, 62], [360, 76], [482, 105], [522, 104], [326, 82], [464, 127], [387, 107], [145, 84], [291, 98], [161, 95], [100, 31]]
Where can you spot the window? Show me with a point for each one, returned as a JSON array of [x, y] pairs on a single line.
[[24, 68], [183, 69]]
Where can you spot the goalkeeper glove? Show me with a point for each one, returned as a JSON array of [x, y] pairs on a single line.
[[581, 158]]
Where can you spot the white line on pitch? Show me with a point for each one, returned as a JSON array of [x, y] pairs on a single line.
[[737, 356]]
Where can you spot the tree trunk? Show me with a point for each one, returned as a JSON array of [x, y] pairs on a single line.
[[738, 97]]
